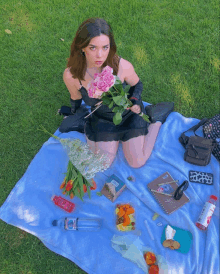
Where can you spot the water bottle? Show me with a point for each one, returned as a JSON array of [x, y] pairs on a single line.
[[206, 214], [80, 224]]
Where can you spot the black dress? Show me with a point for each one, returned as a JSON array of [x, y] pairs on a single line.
[[100, 127]]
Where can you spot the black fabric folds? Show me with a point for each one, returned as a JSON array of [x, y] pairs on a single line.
[[100, 127], [135, 92], [75, 122], [75, 104]]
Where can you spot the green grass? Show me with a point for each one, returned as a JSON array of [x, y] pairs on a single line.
[[173, 46]]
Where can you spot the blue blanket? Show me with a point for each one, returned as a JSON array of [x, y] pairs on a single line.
[[30, 208]]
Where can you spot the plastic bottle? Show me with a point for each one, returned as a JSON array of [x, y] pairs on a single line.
[[63, 203], [81, 224], [206, 214]]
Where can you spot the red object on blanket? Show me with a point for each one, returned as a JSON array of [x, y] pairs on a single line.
[[63, 203]]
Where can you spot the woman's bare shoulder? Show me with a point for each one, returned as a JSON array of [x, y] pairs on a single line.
[[125, 64], [129, 74], [68, 75], [72, 84]]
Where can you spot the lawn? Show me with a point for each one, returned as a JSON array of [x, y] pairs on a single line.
[[173, 46]]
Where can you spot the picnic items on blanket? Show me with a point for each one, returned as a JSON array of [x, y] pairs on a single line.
[[151, 261], [131, 178], [163, 189], [28, 207], [181, 236], [63, 203], [198, 149], [125, 220], [169, 242], [207, 212], [179, 191], [113, 187], [149, 231], [133, 249], [155, 216], [81, 224], [74, 184], [211, 130], [201, 177]]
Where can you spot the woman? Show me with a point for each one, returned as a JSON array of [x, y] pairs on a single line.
[[94, 48]]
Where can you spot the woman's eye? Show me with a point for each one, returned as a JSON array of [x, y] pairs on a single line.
[[94, 48]]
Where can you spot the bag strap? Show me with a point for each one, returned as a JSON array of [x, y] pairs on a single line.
[[184, 139]]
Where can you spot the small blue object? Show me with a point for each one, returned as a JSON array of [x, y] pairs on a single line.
[[184, 237]]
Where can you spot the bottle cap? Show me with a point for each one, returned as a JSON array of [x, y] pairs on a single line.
[[214, 197], [54, 223]]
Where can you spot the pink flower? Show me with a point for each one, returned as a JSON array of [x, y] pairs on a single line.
[[107, 70], [102, 82], [101, 85], [98, 93], [109, 80]]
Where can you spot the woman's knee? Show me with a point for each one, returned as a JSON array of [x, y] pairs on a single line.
[[111, 159], [109, 149], [136, 163]]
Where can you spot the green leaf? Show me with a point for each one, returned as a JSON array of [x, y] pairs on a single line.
[[75, 183], [89, 192], [117, 118], [81, 184], [111, 104], [75, 171], [99, 193], [115, 109], [77, 193], [123, 93], [87, 183], [145, 117], [106, 100], [126, 89], [80, 179], [119, 100]]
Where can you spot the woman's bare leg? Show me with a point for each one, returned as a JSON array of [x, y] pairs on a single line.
[[138, 150], [110, 148]]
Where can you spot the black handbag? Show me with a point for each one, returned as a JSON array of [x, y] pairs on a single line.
[[211, 130], [198, 149]]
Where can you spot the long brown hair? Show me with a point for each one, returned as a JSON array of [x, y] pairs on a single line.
[[89, 29]]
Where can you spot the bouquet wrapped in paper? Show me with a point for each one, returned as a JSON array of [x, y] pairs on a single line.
[[109, 88], [82, 166]]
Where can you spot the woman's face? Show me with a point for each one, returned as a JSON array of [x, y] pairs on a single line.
[[97, 50]]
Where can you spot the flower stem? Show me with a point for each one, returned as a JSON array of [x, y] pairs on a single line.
[[99, 105], [145, 117]]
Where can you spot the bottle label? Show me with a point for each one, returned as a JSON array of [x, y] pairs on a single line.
[[206, 214], [70, 223]]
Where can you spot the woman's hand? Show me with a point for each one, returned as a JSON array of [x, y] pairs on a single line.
[[136, 109]]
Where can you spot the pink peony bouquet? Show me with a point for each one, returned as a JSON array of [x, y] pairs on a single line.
[[102, 83], [109, 88]]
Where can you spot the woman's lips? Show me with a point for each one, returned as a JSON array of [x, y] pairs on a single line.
[[98, 62]]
